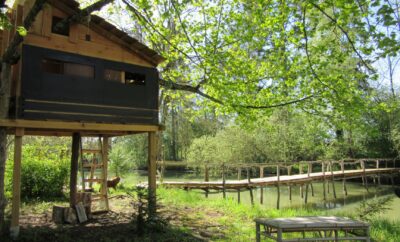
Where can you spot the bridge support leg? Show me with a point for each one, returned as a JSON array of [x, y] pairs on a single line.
[[306, 197], [238, 195], [278, 199], [312, 189], [344, 187]]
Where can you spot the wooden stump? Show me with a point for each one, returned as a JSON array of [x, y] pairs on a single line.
[[58, 214], [70, 216]]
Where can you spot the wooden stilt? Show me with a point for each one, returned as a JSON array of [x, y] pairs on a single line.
[[76, 137], [278, 200], [333, 180], [104, 190], [238, 195], [152, 170], [239, 177], [327, 169], [250, 188], [379, 177], [206, 178], [16, 187], [290, 185], [312, 189], [223, 181], [324, 180], [364, 177], [301, 185], [261, 188], [306, 197], [344, 179]]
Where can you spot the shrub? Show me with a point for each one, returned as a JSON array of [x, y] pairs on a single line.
[[44, 172]]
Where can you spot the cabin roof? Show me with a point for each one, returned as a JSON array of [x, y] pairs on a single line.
[[110, 31]]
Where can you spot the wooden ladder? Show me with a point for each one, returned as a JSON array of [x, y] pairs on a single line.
[[94, 160]]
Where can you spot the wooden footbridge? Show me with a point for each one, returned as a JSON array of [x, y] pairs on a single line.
[[294, 174]]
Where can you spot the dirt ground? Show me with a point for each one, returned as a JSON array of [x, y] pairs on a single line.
[[179, 224]]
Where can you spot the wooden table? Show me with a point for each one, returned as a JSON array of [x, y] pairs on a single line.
[[327, 228]]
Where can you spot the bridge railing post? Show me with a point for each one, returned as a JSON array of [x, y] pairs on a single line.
[[324, 181], [333, 180], [344, 178], [278, 171]]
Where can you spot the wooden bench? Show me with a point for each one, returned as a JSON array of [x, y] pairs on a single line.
[[327, 228]]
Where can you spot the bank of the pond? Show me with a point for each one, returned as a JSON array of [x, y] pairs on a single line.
[[356, 194], [237, 219]]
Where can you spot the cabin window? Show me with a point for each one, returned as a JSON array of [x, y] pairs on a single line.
[[124, 77], [134, 78], [62, 31], [67, 68]]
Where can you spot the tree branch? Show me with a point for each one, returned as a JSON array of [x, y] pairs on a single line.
[[333, 20], [196, 90], [82, 14], [11, 55]]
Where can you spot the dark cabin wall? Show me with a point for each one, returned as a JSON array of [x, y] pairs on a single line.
[[54, 96]]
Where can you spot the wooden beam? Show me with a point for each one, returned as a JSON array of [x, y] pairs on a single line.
[[77, 126], [152, 169], [16, 194], [74, 169], [105, 170]]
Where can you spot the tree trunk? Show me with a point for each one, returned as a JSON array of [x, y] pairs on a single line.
[[4, 103], [3, 157]]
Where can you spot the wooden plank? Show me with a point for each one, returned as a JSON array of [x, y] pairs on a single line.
[[76, 126], [16, 187], [80, 211]]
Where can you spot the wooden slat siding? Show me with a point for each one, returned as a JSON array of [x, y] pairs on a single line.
[[37, 84], [65, 107], [48, 116]]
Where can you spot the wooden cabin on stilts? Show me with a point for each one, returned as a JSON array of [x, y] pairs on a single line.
[[86, 79]]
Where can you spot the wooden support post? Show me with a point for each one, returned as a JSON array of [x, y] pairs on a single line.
[[223, 181], [250, 188], [206, 177], [290, 185], [16, 187], [152, 170], [365, 182], [344, 179], [324, 181], [327, 170], [261, 188], [306, 197], [309, 171], [278, 200], [379, 177], [104, 191], [301, 185], [239, 177], [76, 139], [312, 189], [333, 180]]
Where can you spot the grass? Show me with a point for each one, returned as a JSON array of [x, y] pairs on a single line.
[[237, 219]]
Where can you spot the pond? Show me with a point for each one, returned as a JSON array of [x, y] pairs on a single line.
[[356, 194]]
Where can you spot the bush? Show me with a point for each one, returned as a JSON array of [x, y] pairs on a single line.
[[44, 172]]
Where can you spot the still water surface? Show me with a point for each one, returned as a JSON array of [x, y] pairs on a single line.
[[356, 193]]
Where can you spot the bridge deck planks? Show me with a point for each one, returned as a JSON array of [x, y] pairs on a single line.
[[270, 181]]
